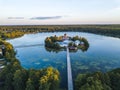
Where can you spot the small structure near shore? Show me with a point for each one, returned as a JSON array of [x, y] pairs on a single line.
[[72, 48], [2, 59], [2, 50], [1, 53]]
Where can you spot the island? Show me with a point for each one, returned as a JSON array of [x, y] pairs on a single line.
[[61, 42]]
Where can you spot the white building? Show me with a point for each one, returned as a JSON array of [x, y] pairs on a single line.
[[64, 43], [77, 42]]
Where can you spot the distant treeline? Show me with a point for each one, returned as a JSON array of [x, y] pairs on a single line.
[[109, 30]]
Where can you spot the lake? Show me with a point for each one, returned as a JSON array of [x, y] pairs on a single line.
[[102, 55]]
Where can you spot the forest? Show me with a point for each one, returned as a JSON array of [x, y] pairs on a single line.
[[98, 81], [19, 30], [14, 77]]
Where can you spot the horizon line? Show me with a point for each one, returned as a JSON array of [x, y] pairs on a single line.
[[56, 24]]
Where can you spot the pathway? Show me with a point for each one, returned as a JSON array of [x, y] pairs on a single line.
[[69, 72]]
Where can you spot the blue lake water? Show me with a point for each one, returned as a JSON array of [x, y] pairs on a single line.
[[103, 54]]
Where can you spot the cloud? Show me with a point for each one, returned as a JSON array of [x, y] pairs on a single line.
[[45, 18], [15, 17]]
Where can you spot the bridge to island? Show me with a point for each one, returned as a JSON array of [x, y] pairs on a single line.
[[69, 71], [32, 45]]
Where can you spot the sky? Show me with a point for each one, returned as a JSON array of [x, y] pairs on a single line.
[[53, 12]]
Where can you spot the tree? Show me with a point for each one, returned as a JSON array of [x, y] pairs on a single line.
[[8, 80], [19, 80], [29, 85], [94, 81], [44, 84], [75, 38], [49, 80], [115, 79], [34, 76]]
